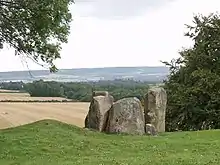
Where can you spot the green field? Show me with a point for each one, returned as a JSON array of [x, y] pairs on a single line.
[[53, 143]]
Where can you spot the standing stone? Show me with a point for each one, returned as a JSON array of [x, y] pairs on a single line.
[[98, 112], [100, 93], [155, 108], [126, 116]]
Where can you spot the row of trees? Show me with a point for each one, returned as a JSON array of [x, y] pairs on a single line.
[[82, 91], [12, 85]]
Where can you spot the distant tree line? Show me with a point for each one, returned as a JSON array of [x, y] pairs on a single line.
[[81, 91], [12, 85]]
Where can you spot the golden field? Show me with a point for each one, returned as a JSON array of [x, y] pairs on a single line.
[[15, 114], [5, 90], [16, 96]]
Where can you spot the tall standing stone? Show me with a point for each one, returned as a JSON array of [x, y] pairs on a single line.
[[98, 112], [155, 108], [126, 116]]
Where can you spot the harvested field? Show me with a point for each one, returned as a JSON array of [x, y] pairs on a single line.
[[9, 91], [15, 114], [26, 97]]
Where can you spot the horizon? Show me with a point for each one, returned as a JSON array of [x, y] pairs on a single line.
[[129, 33]]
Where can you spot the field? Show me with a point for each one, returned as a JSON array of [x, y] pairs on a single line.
[[9, 91], [15, 114], [16, 96]]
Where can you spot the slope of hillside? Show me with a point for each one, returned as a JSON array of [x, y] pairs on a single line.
[[89, 74], [53, 143]]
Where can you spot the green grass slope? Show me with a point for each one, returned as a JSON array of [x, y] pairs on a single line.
[[53, 143]]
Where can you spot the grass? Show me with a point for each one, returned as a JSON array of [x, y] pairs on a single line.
[[50, 142]]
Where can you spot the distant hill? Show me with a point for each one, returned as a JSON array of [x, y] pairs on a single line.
[[89, 74]]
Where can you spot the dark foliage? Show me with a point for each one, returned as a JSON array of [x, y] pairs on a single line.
[[193, 85], [82, 91]]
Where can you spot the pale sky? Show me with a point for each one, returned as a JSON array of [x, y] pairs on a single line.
[[107, 33]]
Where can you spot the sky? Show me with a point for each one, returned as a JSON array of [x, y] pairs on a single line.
[[109, 33]]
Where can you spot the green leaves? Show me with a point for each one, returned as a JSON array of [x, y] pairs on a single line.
[[193, 89], [82, 91], [36, 29]]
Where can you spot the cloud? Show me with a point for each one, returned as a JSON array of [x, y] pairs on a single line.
[[117, 9]]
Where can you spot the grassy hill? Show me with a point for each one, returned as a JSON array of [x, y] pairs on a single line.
[[53, 143]]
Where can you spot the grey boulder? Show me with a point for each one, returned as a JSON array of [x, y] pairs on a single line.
[[126, 116]]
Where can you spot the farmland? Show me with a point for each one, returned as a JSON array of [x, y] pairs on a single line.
[[15, 114], [9, 91], [17, 96]]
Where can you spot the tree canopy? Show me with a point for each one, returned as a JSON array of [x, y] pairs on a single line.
[[35, 28], [193, 86]]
